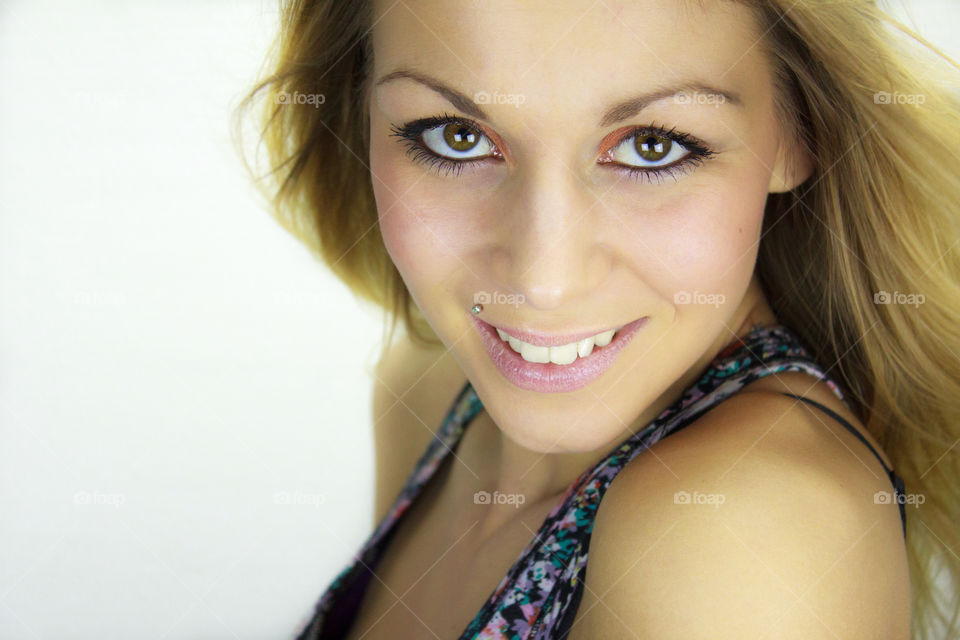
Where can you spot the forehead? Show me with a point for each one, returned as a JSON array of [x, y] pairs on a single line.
[[567, 51]]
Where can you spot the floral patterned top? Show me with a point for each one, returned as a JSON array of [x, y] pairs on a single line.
[[539, 596]]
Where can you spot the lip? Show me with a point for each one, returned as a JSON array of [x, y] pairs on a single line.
[[550, 377]]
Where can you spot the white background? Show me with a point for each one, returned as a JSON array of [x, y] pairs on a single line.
[[170, 358]]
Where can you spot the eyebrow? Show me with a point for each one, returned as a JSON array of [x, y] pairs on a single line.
[[618, 112]]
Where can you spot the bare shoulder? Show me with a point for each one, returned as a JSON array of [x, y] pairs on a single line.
[[756, 521], [412, 389]]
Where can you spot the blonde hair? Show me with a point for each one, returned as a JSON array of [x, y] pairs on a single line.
[[877, 218]]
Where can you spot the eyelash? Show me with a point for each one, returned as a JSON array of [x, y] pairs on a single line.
[[411, 132]]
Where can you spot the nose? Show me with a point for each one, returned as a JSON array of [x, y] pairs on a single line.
[[552, 249]]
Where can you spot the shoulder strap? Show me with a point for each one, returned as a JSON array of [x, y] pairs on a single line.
[[849, 427], [897, 481]]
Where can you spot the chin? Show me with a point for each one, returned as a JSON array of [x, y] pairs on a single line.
[[557, 438]]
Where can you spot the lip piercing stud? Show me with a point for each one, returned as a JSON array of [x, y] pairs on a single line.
[[477, 308]]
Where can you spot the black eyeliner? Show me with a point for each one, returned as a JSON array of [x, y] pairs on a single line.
[[411, 133]]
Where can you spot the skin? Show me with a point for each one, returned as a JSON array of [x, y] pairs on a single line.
[[588, 247]]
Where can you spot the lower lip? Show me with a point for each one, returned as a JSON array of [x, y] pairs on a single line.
[[550, 377]]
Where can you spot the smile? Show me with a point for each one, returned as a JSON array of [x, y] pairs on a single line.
[[562, 354], [557, 367]]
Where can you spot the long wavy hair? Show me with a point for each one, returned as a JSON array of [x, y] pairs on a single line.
[[876, 222]]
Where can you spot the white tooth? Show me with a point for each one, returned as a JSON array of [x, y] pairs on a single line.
[[564, 354], [585, 347], [514, 343], [532, 353], [502, 334], [603, 339]]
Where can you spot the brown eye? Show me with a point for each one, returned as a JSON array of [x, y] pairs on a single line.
[[460, 137], [456, 140], [652, 148]]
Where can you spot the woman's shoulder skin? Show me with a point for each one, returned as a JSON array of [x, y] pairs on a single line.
[[756, 521], [413, 388]]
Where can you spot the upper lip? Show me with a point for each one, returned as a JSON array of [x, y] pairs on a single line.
[[547, 339]]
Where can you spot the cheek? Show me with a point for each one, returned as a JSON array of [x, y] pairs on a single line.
[[717, 232], [418, 233], [704, 240]]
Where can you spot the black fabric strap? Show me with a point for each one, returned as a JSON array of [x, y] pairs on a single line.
[[899, 491]]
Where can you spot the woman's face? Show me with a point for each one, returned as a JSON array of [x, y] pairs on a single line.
[[536, 207]]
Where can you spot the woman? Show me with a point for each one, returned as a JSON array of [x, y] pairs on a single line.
[[722, 235]]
